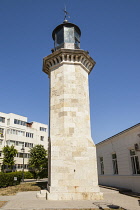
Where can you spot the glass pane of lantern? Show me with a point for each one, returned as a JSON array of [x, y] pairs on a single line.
[[69, 35], [60, 37]]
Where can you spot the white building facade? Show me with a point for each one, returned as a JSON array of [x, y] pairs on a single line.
[[118, 159], [16, 130]]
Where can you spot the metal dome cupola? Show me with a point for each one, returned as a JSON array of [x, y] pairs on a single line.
[[66, 35]]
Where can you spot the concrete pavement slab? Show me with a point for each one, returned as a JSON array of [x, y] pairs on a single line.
[[28, 201]]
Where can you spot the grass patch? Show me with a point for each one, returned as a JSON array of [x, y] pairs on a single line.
[[23, 187], [2, 203]]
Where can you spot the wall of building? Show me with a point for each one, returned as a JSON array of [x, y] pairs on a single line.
[[120, 144], [16, 130]]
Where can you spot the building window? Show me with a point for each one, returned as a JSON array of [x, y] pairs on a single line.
[[20, 143], [19, 122], [8, 121], [28, 155], [20, 133], [25, 155], [20, 155], [19, 166], [15, 143], [7, 142], [26, 144], [16, 132], [115, 164], [10, 142], [43, 129], [30, 145], [30, 135], [1, 132], [42, 138], [8, 131], [102, 165], [134, 162], [2, 119]]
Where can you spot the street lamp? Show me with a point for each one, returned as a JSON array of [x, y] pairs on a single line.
[[23, 150]]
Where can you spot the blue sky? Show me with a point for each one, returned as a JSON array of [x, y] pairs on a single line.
[[111, 34]]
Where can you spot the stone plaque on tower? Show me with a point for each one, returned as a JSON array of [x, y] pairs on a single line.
[[71, 153]]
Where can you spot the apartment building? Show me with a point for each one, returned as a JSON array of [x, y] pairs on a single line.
[[118, 159], [16, 130]]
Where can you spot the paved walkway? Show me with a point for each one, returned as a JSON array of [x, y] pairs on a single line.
[[28, 201]]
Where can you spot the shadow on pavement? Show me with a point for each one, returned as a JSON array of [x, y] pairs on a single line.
[[41, 184], [104, 205]]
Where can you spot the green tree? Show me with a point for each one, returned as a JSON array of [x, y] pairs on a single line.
[[8, 156], [38, 159]]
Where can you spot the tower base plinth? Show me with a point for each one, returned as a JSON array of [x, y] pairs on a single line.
[[46, 195], [74, 196]]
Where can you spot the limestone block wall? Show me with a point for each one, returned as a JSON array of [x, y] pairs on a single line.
[[73, 155], [69, 101]]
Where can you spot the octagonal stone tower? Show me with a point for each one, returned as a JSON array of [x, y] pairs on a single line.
[[72, 153]]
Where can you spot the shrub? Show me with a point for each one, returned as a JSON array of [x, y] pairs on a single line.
[[28, 175], [34, 174], [43, 173], [7, 179]]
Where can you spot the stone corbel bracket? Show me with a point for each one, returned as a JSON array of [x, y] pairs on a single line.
[[68, 56]]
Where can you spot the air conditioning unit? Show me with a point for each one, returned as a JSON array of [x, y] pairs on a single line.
[[137, 147]]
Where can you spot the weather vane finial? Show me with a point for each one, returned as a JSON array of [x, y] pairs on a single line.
[[66, 14]]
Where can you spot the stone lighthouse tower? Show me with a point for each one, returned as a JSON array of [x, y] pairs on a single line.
[[72, 153]]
